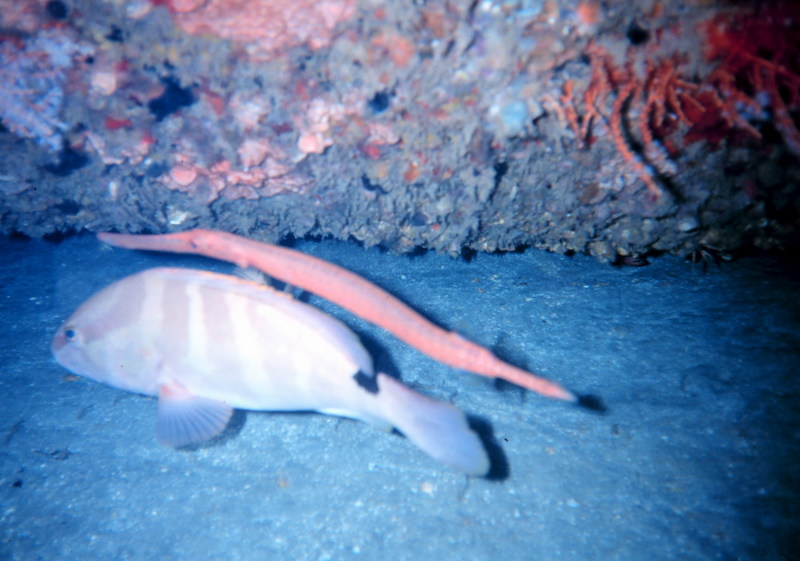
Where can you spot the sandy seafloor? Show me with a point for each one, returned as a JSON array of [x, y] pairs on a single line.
[[696, 458]]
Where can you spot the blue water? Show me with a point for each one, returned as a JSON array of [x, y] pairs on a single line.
[[696, 457]]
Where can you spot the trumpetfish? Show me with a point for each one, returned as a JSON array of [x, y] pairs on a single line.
[[349, 291], [206, 343]]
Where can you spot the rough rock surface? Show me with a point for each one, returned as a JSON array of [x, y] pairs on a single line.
[[613, 129]]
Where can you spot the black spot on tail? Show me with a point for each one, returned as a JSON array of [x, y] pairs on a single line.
[[367, 381]]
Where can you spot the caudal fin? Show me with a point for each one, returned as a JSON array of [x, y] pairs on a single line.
[[439, 429]]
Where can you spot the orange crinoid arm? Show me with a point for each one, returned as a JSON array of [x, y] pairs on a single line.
[[347, 290]]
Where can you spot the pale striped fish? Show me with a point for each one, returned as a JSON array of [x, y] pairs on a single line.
[[206, 343]]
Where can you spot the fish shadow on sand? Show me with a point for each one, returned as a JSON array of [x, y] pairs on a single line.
[[499, 470]]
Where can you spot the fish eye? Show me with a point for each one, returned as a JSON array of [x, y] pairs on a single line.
[[70, 334]]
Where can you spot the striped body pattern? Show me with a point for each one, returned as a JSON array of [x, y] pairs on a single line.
[[205, 343]]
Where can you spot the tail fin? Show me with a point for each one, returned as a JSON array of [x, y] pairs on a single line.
[[439, 429]]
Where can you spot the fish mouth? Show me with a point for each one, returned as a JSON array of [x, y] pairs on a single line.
[[65, 354], [58, 343]]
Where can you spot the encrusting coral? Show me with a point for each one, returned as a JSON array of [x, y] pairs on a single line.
[[613, 128]]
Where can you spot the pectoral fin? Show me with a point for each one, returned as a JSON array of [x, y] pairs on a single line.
[[185, 419]]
